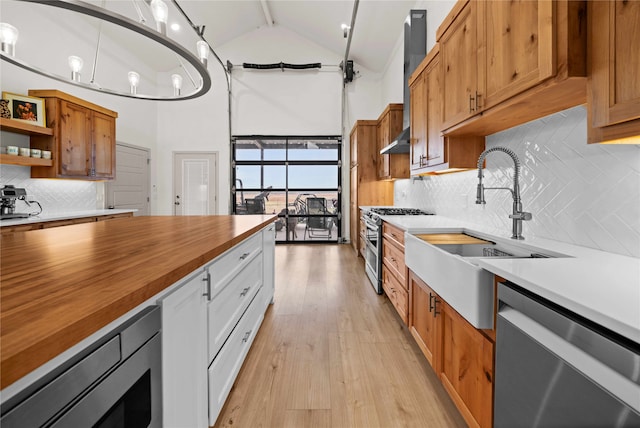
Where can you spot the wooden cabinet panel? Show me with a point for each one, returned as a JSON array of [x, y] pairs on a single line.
[[425, 320], [74, 151], [366, 190], [418, 122], [519, 48], [397, 293], [83, 141], [393, 258], [459, 49], [394, 235], [467, 368], [391, 165], [104, 145], [431, 153], [614, 66], [507, 63]]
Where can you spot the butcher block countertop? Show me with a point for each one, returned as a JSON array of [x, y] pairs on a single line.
[[60, 285]]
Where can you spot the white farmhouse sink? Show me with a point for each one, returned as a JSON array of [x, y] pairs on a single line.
[[451, 270]]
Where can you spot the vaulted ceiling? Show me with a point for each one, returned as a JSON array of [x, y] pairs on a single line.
[[377, 27]]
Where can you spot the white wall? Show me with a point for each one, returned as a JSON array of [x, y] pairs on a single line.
[[135, 125], [262, 103]]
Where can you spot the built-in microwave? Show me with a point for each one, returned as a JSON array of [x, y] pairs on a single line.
[[115, 382]]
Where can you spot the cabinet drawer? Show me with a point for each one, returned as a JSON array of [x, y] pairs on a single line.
[[224, 268], [224, 369], [228, 306], [393, 258], [396, 293], [393, 234]]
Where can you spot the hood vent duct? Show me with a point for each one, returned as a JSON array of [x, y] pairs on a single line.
[[415, 49]]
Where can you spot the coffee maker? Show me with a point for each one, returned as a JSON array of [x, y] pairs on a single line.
[[8, 196]]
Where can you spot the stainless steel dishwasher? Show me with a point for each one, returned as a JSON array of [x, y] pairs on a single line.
[[115, 382], [557, 369]]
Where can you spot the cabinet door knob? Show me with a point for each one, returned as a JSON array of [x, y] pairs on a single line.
[[245, 291], [246, 336], [244, 256]]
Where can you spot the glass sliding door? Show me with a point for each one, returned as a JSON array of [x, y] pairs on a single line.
[[297, 178]]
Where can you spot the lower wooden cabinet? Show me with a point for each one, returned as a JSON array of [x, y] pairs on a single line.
[[425, 324], [467, 368], [461, 355], [394, 271], [396, 293]]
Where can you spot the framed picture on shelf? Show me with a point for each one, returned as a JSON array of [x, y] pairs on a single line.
[[26, 109]]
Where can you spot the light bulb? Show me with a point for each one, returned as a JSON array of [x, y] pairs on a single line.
[[203, 51], [75, 64], [8, 38], [134, 79], [160, 13], [177, 84]]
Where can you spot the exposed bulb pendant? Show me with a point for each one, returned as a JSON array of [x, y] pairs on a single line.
[[134, 79], [75, 64], [160, 13], [8, 38], [176, 79], [203, 51]]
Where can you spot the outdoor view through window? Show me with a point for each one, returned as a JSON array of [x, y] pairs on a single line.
[[298, 178]]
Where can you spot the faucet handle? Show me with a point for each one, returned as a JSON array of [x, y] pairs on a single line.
[[521, 216]]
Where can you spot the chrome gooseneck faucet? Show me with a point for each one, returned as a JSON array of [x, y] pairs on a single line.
[[518, 215]]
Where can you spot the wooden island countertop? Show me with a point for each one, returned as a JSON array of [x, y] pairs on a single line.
[[60, 285]]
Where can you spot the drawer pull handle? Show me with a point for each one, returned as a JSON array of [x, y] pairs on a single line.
[[244, 256], [207, 279], [433, 304], [246, 336], [245, 291]]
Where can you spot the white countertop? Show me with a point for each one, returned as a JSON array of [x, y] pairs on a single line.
[[62, 216], [602, 287]]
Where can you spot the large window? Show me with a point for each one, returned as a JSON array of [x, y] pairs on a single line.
[[298, 178]]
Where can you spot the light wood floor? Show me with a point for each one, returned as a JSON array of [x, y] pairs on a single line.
[[332, 353]]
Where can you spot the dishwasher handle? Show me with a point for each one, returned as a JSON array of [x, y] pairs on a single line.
[[601, 374]]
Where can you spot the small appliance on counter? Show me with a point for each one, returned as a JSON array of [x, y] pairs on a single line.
[[9, 194]]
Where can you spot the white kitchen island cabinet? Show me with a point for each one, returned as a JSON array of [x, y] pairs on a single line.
[[209, 323], [184, 354]]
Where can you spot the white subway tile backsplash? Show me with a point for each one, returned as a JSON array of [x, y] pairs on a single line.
[[55, 196], [578, 193]]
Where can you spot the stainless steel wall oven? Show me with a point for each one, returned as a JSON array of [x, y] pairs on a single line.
[[115, 382]]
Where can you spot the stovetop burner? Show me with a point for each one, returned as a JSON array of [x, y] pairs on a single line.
[[398, 211]]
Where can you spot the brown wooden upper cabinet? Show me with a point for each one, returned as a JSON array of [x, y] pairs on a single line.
[[396, 165], [84, 138], [431, 152], [614, 70], [507, 62]]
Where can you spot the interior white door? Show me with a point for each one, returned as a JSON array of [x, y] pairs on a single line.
[[195, 183], [130, 189]]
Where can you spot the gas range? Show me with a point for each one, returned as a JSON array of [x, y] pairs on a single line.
[[374, 213], [372, 219]]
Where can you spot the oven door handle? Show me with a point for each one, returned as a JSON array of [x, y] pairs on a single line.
[[616, 384]]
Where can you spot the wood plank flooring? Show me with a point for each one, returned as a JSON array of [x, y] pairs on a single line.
[[333, 353]]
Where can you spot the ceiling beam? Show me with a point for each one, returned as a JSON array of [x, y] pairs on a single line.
[[267, 13]]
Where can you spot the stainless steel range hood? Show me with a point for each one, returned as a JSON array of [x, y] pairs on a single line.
[[415, 49], [400, 145]]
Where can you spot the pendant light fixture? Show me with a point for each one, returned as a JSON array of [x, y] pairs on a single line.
[[192, 60]]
